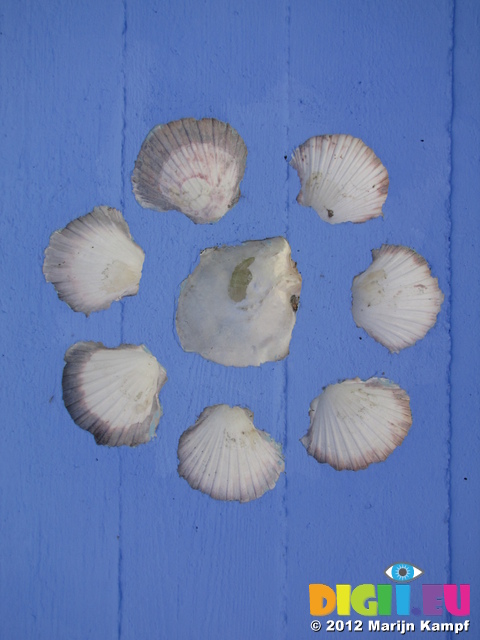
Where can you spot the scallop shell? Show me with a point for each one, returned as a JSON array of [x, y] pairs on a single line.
[[238, 307], [354, 423], [396, 300], [226, 457], [193, 166], [94, 261], [113, 393], [341, 178]]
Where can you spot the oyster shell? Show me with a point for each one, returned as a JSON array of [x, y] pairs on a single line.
[[238, 307]]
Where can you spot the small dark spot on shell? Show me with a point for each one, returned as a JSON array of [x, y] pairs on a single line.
[[294, 300], [330, 213]]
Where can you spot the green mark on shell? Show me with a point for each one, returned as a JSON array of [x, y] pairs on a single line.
[[241, 278]]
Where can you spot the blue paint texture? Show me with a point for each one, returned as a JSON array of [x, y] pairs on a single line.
[[103, 544]]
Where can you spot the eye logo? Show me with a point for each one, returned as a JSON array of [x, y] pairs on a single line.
[[403, 572]]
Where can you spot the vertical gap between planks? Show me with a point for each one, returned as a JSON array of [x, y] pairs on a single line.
[[285, 369], [450, 328], [122, 312]]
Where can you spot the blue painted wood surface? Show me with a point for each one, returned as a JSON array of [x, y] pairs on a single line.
[[99, 544]]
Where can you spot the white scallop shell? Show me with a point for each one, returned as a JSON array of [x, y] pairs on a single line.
[[396, 300], [354, 423], [113, 393], [341, 178], [193, 166], [238, 307], [226, 457], [94, 261]]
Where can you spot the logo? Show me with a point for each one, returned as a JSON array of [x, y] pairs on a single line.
[[384, 599]]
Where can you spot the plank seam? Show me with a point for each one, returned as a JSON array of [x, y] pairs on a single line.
[[285, 388], [122, 314], [450, 328]]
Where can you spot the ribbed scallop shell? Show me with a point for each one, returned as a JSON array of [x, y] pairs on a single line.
[[226, 457], [113, 393], [341, 178], [396, 300], [238, 307], [193, 166], [354, 423], [94, 261]]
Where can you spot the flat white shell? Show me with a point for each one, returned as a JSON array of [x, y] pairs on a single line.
[[193, 166], [238, 307], [341, 178], [226, 457], [94, 261], [354, 423], [113, 393], [396, 300]]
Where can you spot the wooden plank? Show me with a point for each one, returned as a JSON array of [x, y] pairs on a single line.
[[465, 395], [205, 568], [60, 156], [381, 72]]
